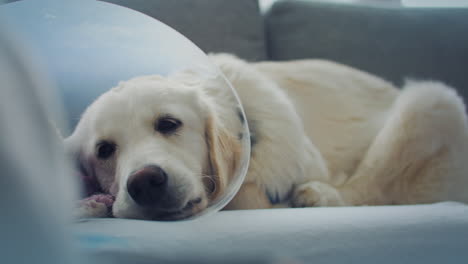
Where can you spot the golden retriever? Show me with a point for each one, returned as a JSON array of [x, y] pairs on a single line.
[[321, 133]]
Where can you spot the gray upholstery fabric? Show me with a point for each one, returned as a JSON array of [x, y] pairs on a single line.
[[392, 42], [214, 26], [416, 234]]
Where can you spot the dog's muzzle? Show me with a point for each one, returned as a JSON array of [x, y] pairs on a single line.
[[149, 187]]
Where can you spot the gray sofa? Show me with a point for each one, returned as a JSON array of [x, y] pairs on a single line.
[[390, 41]]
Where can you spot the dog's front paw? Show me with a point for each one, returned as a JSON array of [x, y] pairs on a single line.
[[98, 205], [316, 194]]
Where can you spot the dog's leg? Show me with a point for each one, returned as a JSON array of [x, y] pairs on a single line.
[[315, 193], [419, 156]]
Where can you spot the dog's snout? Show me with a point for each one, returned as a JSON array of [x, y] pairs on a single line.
[[148, 185]]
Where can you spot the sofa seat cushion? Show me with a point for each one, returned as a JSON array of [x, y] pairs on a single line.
[[435, 233]]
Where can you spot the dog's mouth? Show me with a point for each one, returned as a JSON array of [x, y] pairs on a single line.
[[190, 209]]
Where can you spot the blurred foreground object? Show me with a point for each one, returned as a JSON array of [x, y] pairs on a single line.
[[36, 196]]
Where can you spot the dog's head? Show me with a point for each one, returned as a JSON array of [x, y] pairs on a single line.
[[159, 145]]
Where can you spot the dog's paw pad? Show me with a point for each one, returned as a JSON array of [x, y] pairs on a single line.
[[94, 206], [316, 194], [106, 199]]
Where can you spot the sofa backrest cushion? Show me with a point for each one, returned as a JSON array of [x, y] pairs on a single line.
[[214, 26], [393, 42]]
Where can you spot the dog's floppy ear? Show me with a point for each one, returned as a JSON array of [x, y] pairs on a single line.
[[224, 151]]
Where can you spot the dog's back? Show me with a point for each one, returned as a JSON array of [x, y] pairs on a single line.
[[342, 109], [377, 150]]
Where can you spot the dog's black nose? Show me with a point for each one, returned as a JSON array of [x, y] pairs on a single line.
[[148, 185]]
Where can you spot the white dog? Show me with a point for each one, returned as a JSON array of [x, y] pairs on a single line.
[[322, 134]]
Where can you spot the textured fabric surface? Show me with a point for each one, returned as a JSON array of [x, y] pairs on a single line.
[[392, 42], [436, 233], [213, 25]]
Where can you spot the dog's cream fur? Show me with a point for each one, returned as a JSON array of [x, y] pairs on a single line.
[[323, 134], [346, 137]]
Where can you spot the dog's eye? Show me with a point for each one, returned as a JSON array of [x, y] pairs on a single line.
[[167, 125], [105, 149]]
